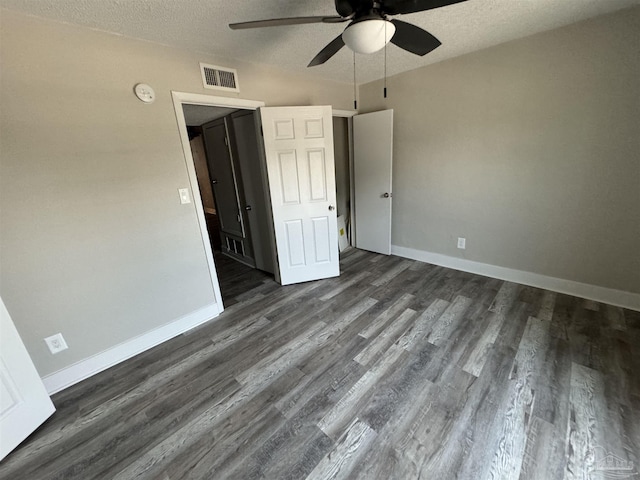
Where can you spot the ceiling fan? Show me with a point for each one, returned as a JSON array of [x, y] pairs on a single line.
[[370, 28]]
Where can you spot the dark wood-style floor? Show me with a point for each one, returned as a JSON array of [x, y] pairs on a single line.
[[235, 279], [395, 370]]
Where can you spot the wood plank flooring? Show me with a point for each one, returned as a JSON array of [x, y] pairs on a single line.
[[395, 370]]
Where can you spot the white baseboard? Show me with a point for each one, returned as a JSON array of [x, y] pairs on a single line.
[[592, 292], [83, 369]]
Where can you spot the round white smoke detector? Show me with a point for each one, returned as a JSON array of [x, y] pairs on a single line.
[[145, 93]]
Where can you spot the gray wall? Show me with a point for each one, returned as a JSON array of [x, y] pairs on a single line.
[[530, 150], [94, 242]]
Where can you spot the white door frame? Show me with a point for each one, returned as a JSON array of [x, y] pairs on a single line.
[[180, 99]]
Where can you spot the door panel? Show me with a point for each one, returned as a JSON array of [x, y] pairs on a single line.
[[372, 166], [289, 177], [317, 175], [24, 403], [300, 166], [255, 207], [322, 239], [223, 178], [295, 243]]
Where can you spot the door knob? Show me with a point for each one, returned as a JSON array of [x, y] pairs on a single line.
[[214, 181], [247, 208], [331, 208], [386, 195]]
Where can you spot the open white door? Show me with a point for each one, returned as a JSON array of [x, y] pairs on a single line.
[[372, 167], [24, 403], [298, 145]]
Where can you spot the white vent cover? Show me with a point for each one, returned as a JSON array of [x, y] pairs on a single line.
[[219, 78]]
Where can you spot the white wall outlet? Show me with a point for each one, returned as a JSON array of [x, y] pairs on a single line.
[[184, 195], [462, 243], [56, 343]]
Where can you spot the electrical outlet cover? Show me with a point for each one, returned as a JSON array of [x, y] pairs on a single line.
[[56, 343], [462, 243]]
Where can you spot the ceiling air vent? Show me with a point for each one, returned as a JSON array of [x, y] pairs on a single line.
[[219, 78]]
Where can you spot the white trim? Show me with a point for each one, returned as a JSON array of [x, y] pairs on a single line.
[[352, 186], [343, 113], [94, 364], [200, 99], [592, 292]]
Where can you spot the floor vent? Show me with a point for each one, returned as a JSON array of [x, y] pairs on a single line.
[[219, 78]]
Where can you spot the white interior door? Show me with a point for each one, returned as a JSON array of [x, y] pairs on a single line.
[[298, 145], [372, 167], [24, 403]]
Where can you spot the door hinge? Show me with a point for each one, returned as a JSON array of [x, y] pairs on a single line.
[[226, 141]]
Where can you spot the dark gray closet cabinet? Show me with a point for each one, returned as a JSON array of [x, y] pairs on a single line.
[[238, 182]]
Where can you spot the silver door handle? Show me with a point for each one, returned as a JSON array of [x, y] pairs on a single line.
[[331, 208], [247, 208], [214, 181]]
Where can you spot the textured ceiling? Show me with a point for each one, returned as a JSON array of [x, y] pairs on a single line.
[[202, 25]]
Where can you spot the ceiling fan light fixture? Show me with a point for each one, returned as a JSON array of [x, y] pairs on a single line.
[[368, 36]]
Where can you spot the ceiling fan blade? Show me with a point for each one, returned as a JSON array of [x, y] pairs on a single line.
[[395, 7], [327, 52], [279, 22], [413, 39]]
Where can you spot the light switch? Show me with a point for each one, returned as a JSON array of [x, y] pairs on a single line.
[[184, 195]]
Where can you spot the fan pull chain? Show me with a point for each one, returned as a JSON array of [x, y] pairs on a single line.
[[355, 94]]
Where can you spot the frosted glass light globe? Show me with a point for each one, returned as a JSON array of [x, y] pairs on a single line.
[[368, 36]]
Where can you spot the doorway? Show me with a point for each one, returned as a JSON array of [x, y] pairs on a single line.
[[225, 149], [224, 146], [205, 208], [180, 99]]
